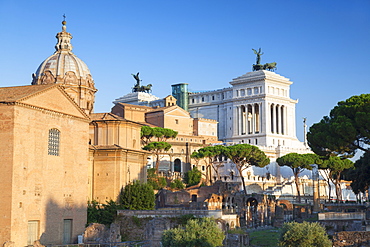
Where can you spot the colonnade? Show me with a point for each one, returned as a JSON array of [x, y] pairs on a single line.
[[248, 119], [278, 119]]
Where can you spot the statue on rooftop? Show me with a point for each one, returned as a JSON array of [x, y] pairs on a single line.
[[259, 66], [270, 66], [259, 54], [136, 88]]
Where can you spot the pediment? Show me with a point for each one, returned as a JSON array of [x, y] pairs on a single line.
[[177, 111], [54, 99]]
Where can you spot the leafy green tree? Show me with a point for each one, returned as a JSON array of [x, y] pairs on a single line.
[[154, 180], [177, 184], [160, 145], [304, 234], [137, 196], [93, 212], [345, 130], [157, 148], [245, 156], [360, 174], [211, 156], [103, 214], [163, 134], [334, 166], [197, 156], [146, 134], [160, 134], [202, 232], [297, 162], [193, 177]]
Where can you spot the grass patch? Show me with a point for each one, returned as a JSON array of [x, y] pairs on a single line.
[[265, 238]]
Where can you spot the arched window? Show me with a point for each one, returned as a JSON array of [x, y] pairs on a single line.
[[54, 142], [177, 165]]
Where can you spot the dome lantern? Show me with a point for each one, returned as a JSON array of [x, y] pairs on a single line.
[[64, 39]]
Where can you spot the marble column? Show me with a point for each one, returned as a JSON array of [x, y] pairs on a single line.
[[253, 129], [273, 118]]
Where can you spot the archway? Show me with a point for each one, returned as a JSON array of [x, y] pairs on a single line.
[[177, 165]]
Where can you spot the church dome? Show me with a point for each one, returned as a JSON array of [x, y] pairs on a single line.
[[65, 68], [59, 64]]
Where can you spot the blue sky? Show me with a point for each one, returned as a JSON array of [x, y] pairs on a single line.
[[322, 46]]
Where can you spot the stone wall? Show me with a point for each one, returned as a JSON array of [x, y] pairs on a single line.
[[99, 233], [351, 239], [150, 229], [169, 213], [43, 189], [334, 226], [232, 240]]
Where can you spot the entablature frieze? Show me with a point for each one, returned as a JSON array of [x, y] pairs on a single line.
[[214, 103], [261, 79], [277, 99], [51, 112], [116, 151], [217, 91], [280, 102], [248, 102], [261, 97]]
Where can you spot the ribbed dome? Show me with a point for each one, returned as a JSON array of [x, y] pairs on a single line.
[[64, 67], [60, 63]]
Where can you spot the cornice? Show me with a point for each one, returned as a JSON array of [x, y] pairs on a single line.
[[48, 111]]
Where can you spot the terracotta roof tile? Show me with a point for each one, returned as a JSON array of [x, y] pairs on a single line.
[[12, 94], [105, 116]]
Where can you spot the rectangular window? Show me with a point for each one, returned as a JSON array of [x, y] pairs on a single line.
[[54, 142]]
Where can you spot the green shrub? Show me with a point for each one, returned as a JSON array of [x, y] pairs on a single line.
[[177, 184], [102, 213], [137, 196], [304, 234], [154, 180], [202, 232], [192, 177]]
